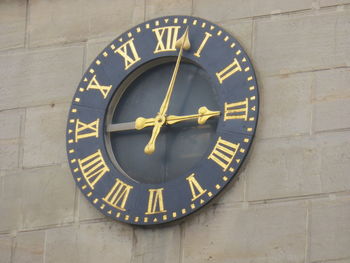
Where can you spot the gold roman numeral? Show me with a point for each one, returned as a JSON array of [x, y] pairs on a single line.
[[93, 84], [228, 71], [166, 37], [118, 195], [236, 110], [129, 58], [155, 202], [207, 35], [93, 167], [196, 188], [223, 153], [85, 130]]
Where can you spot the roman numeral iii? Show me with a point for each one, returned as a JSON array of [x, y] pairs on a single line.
[[85, 130], [195, 187], [129, 53], [94, 84], [166, 38], [228, 71], [223, 153], [236, 110], [118, 195], [155, 202], [93, 167]]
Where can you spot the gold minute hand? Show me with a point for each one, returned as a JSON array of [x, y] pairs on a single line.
[[182, 43]]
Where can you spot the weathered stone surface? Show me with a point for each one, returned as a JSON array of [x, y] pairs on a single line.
[[5, 249], [223, 10], [9, 154], [80, 20], [252, 234], [330, 232], [157, 245], [331, 115], [29, 247], [285, 106], [95, 242], [331, 84], [94, 47], [242, 31], [157, 8], [38, 197], [299, 166], [45, 126], [324, 3], [86, 210], [234, 191], [11, 121], [302, 43], [37, 78], [12, 23]]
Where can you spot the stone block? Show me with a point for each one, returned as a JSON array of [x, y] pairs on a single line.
[[331, 84], [331, 115], [31, 78], [234, 191], [94, 47], [242, 31], [38, 197], [65, 21], [157, 245], [291, 167], [45, 127], [257, 233], [329, 230], [12, 23], [285, 106], [62, 245], [325, 3], [95, 242], [29, 247], [298, 43], [87, 211], [5, 248], [223, 10], [9, 154], [157, 8], [11, 121]]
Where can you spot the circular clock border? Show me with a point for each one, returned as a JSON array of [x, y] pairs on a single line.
[[117, 195]]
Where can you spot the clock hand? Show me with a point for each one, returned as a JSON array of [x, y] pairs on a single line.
[[182, 43], [203, 115]]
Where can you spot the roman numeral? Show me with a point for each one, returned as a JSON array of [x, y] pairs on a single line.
[[93, 84], [93, 167], [129, 58], [223, 153], [228, 71], [236, 110], [207, 35], [166, 37], [118, 195], [85, 130], [155, 202], [196, 189]]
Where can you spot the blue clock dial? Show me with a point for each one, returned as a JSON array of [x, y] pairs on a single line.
[[162, 120]]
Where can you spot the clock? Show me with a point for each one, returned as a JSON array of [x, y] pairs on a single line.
[[162, 120]]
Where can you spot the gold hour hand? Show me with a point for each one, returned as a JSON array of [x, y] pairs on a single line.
[[203, 115], [141, 123]]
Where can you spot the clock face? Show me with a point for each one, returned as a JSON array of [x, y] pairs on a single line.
[[162, 120]]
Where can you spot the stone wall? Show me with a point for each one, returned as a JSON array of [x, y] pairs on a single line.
[[291, 202]]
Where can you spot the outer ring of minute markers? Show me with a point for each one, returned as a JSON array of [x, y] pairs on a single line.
[[170, 215]]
